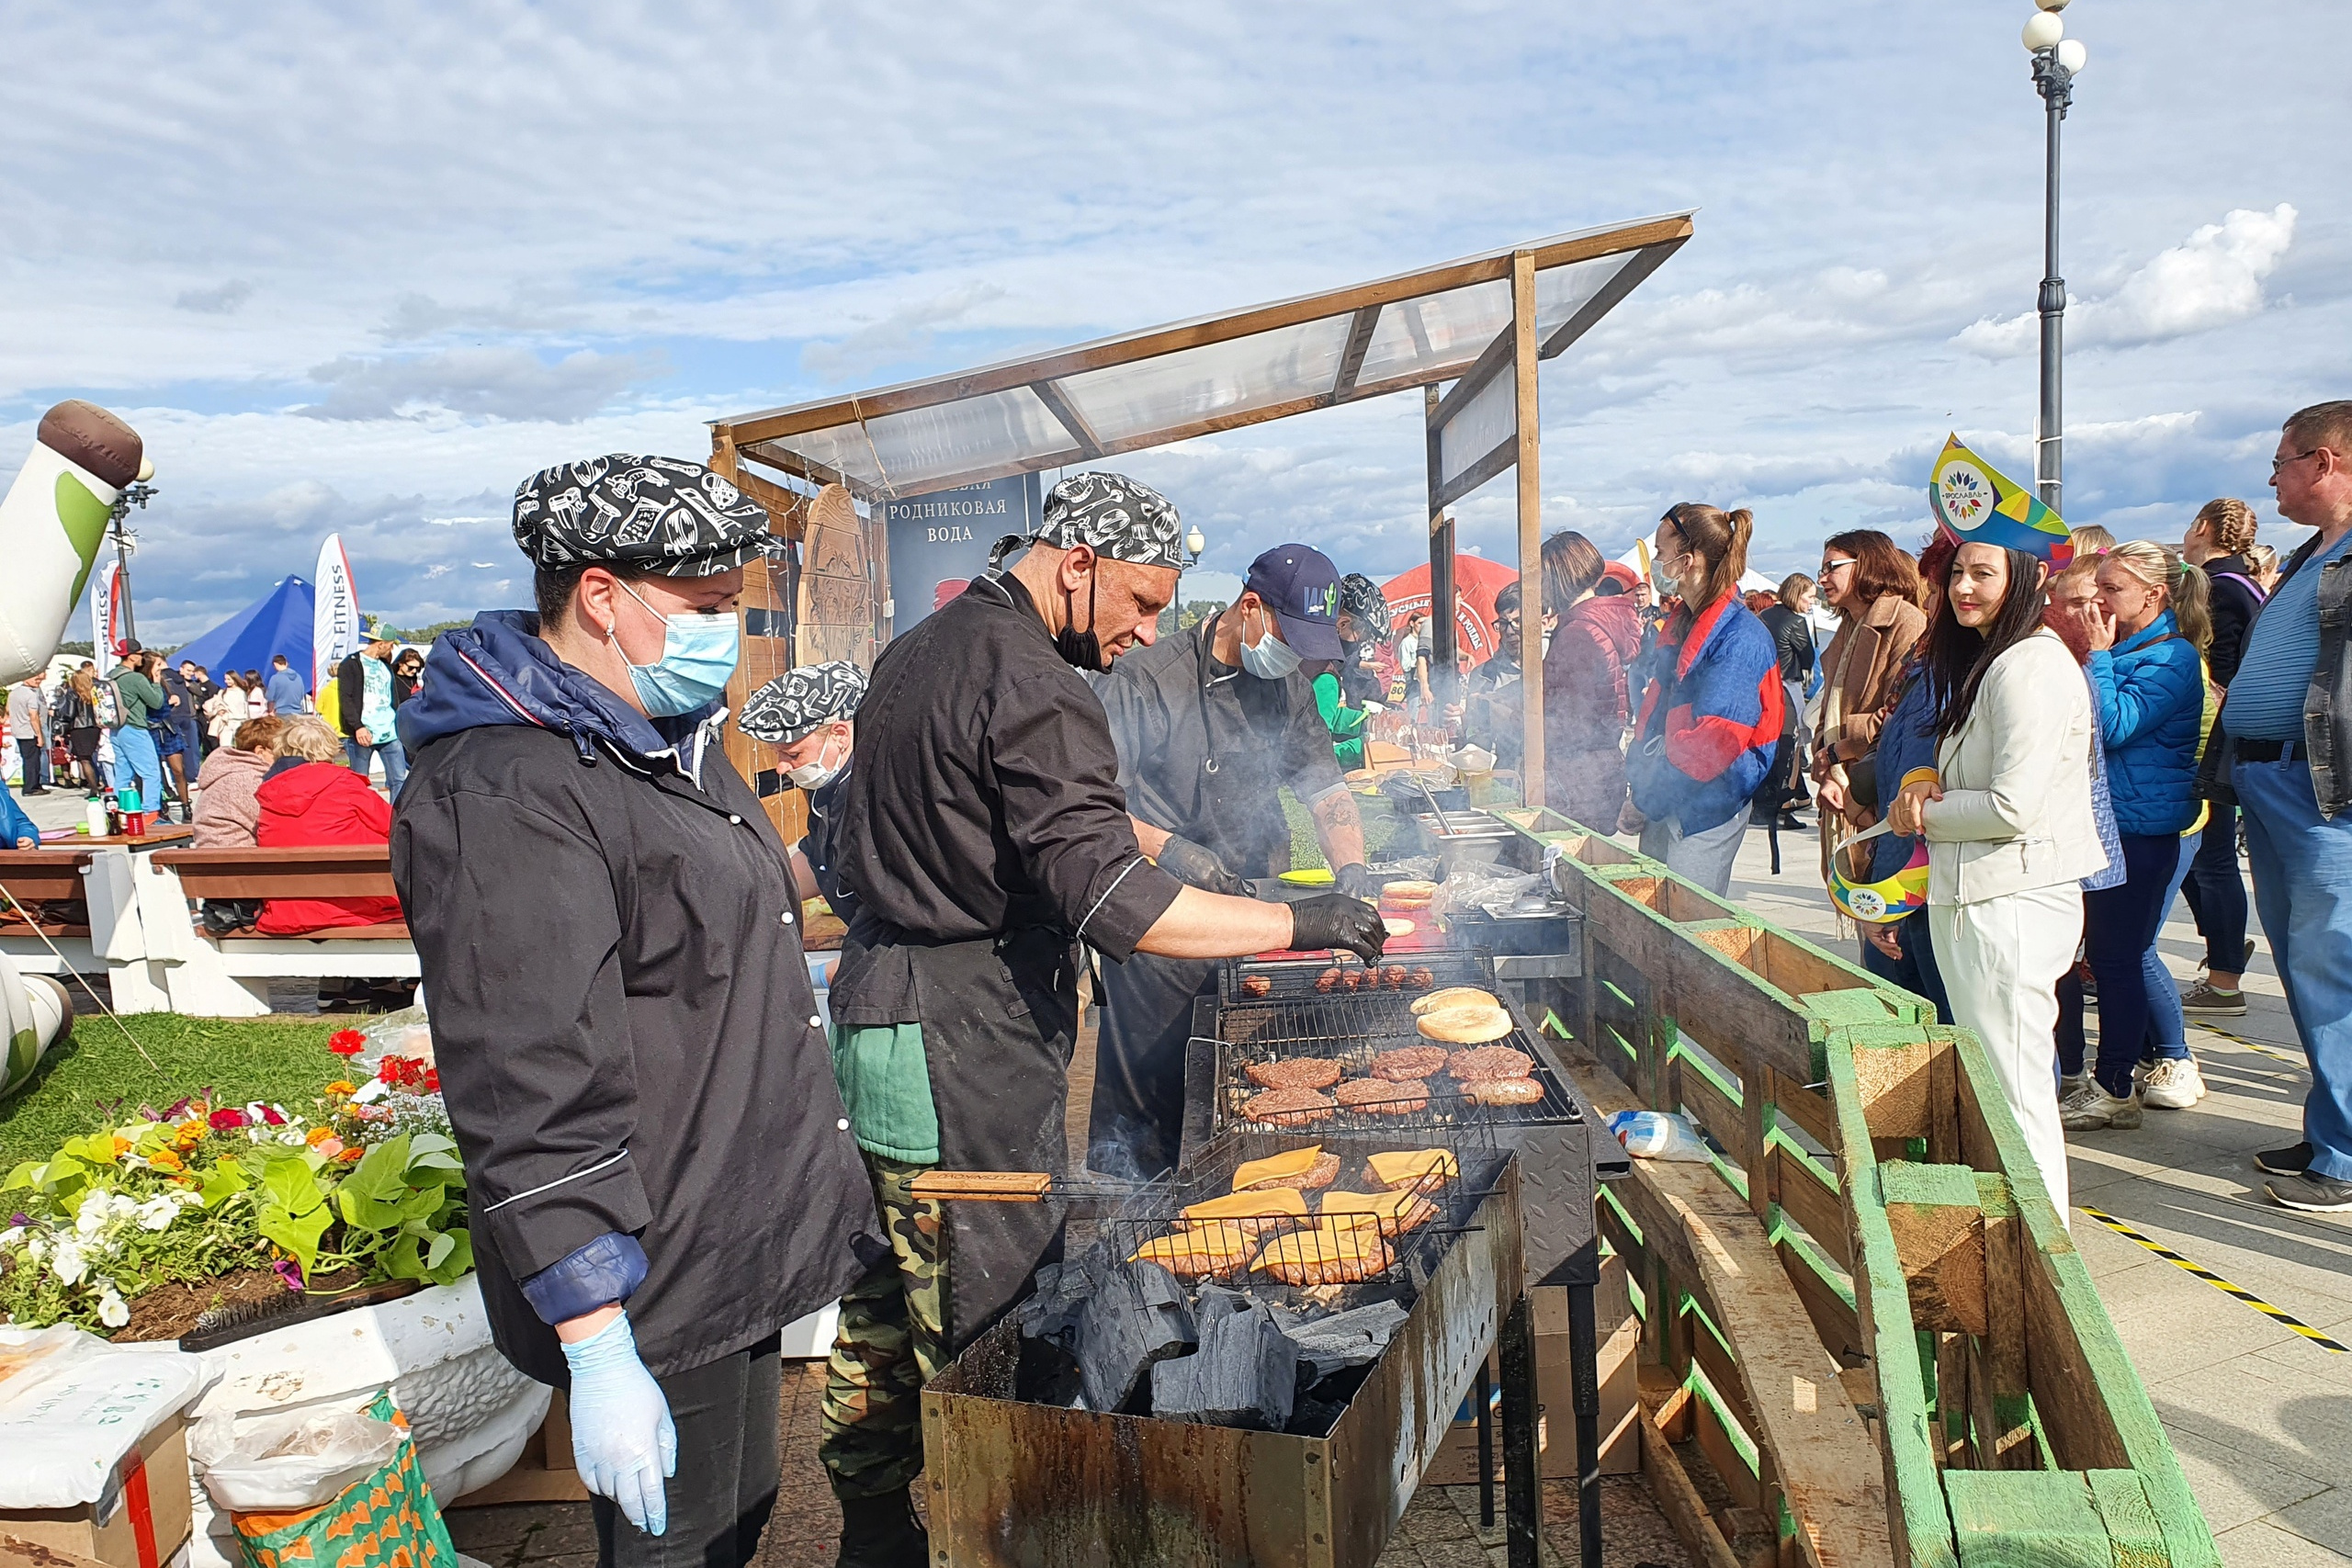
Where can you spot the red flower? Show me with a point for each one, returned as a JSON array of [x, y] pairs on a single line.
[[228, 1119], [346, 1042], [405, 1071], [433, 1081]]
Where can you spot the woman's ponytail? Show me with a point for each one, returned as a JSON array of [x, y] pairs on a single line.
[[1719, 538]]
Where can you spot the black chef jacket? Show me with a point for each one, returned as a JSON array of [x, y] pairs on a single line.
[[821, 846], [1203, 747], [984, 799]]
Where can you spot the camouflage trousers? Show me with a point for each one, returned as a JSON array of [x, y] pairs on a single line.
[[892, 1340]]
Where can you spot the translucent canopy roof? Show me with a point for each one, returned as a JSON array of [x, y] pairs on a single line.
[[1163, 384]]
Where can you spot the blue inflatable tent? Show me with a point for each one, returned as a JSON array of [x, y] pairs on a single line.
[[278, 622]]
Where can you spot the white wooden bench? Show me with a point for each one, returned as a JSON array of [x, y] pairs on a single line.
[[229, 976]]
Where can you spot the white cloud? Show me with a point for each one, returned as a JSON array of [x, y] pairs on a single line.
[[486, 383], [2211, 279], [905, 333], [220, 299]]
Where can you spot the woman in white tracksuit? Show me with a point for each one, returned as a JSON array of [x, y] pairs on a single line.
[[2007, 814]]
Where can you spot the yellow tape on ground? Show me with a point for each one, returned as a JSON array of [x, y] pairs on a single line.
[[2291, 1059], [2239, 1291]]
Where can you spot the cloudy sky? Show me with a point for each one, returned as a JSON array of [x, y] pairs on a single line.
[[362, 270]]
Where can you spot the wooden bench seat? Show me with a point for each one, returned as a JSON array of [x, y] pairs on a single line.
[[328, 871], [35, 877], [389, 930]]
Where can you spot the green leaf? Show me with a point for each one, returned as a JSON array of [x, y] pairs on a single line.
[[290, 1185], [26, 1174], [432, 1151], [222, 1182], [444, 1244], [299, 1235], [458, 1263]]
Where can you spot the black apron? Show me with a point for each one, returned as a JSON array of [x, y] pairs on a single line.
[[999, 1025]]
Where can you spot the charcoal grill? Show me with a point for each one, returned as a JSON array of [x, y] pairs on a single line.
[[1009, 1481], [1269, 1008]]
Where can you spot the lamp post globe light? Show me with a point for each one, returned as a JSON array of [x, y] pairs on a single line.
[[2057, 61]]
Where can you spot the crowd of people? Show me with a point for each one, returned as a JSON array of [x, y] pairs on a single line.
[[2022, 748], [2065, 738]]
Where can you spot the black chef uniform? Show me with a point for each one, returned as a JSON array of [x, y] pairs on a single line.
[[983, 833], [1202, 750]]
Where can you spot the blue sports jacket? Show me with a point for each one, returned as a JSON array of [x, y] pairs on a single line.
[[2150, 691], [1709, 716]]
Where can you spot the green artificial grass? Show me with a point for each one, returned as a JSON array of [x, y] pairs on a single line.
[[96, 1074]]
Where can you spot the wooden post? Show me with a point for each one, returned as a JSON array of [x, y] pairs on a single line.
[[1531, 533], [765, 653], [1443, 625]]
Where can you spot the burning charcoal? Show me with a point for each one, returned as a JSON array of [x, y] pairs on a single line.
[[1351, 1338], [1137, 1317], [1244, 1374]]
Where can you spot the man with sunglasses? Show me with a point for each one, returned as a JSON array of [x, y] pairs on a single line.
[[2283, 746]]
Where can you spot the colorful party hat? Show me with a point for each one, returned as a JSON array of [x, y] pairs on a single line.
[[1976, 503]]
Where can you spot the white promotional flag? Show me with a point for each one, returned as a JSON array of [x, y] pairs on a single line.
[[102, 614], [334, 614]]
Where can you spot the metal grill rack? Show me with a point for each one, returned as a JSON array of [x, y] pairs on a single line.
[[1556, 1139], [1156, 1210]]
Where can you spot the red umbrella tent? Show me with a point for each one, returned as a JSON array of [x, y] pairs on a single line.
[[1476, 581]]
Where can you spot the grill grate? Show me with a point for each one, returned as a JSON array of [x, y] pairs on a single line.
[[1154, 1211], [1295, 1020]]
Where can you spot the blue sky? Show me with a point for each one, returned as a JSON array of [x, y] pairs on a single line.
[[365, 271]]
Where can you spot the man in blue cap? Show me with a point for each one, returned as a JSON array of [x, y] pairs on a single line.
[[1210, 724]]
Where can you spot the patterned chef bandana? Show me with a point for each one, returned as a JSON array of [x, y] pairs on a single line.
[[1361, 601], [664, 515], [799, 701], [1120, 519]]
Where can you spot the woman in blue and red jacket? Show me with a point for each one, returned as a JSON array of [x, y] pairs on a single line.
[[1710, 713]]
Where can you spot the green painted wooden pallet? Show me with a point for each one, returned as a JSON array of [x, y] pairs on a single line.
[[1950, 1331]]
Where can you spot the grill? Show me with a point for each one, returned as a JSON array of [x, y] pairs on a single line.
[[1014, 1480], [1562, 1149]]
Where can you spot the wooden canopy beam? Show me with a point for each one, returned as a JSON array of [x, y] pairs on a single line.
[[1567, 250], [1530, 530], [1351, 357]]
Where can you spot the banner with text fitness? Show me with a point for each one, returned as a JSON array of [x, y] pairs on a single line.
[[940, 542]]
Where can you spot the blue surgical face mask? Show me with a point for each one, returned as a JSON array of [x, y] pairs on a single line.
[[1269, 658], [698, 654]]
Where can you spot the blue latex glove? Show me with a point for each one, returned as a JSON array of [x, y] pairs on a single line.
[[623, 1443]]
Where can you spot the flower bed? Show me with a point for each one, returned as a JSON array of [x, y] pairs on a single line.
[[134, 1228]]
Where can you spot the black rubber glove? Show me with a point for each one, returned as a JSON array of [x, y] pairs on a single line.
[[1331, 919], [1354, 880], [1194, 867]]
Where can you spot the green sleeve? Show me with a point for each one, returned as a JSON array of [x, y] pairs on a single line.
[[1346, 724]]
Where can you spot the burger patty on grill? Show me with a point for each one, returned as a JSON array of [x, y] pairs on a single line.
[[1409, 1062], [1383, 1097], [1488, 1062], [1295, 1072], [1288, 1107]]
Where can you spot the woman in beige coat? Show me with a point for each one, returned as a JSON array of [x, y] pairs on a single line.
[[1874, 588], [2007, 814]]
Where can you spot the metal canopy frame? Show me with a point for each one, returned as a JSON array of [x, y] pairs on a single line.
[[1464, 321]]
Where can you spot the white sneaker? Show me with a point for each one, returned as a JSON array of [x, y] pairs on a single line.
[[2069, 1086], [2173, 1084], [2095, 1109]]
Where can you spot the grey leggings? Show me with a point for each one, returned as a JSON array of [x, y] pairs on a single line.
[[1703, 857]]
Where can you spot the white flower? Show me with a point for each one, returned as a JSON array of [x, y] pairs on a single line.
[[36, 1247], [186, 1199], [290, 1136], [157, 1214], [91, 1219], [12, 1236], [113, 1311], [67, 1264], [124, 1205]]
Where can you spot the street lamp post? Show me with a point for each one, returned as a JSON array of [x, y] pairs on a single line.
[[138, 493], [2057, 59]]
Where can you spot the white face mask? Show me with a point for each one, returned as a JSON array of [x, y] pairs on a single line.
[[816, 775], [1269, 658]]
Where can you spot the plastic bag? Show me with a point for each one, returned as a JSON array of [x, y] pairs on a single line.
[[1485, 886], [72, 1406], [1660, 1134], [387, 1519], [292, 1459], [408, 1032]]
